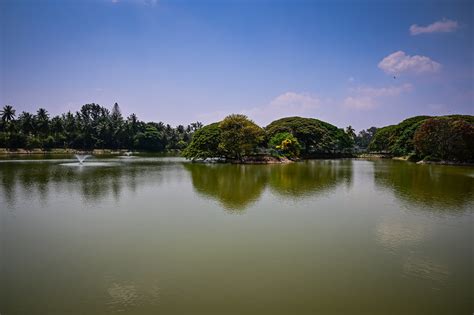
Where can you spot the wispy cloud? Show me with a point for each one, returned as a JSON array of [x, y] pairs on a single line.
[[365, 98], [442, 26], [139, 2], [399, 62], [150, 2], [286, 104]]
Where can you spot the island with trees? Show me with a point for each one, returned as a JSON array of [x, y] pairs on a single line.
[[428, 139], [237, 138]]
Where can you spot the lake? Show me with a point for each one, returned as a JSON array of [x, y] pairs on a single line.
[[159, 235]]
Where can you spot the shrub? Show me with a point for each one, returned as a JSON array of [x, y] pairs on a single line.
[[205, 143], [286, 144]]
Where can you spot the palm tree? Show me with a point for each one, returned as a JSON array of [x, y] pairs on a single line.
[[42, 121], [26, 122], [8, 113], [351, 132]]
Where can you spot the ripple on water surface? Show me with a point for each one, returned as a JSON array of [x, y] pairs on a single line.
[[87, 164]]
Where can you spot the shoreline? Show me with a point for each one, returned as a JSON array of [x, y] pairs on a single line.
[[6, 152], [261, 160], [451, 163]]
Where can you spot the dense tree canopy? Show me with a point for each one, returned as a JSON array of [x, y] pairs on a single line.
[[446, 137], [315, 136], [92, 127], [362, 140], [397, 139], [236, 137], [205, 143], [239, 136]]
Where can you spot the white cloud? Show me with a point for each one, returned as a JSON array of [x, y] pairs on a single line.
[[443, 26], [286, 104], [151, 2], [365, 98], [359, 102], [292, 100], [399, 62], [384, 91]]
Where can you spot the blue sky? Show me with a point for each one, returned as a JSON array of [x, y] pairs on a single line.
[[359, 63]]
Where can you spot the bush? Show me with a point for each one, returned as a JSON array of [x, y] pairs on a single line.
[[48, 143], [205, 143], [32, 142], [286, 144]]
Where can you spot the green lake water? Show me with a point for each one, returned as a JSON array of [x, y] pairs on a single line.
[[163, 236]]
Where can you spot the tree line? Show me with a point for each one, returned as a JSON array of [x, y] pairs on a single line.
[[92, 127], [237, 138], [449, 138]]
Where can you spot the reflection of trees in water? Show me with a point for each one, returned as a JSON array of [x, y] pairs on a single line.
[[94, 183], [235, 186], [238, 186], [443, 188], [309, 177]]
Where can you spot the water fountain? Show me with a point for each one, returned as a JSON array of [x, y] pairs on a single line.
[[127, 155], [81, 158], [81, 162]]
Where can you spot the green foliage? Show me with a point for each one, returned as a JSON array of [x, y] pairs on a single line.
[[7, 113], [239, 136], [362, 140], [92, 127], [315, 136], [150, 139], [445, 138], [14, 140], [286, 144], [205, 143], [396, 139], [32, 142], [49, 143]]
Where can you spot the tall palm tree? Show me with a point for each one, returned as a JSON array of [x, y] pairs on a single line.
[[42, 121], [351, 132], [8, 113], [26, 122], [42, 114]]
